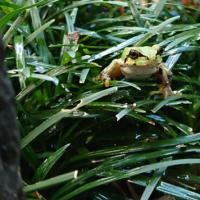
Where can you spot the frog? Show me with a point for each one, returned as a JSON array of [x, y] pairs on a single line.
[[138, 63]]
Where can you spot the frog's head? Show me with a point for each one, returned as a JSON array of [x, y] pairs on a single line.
[[142, 56]]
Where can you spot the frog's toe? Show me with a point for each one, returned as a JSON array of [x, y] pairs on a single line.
[[164, 90], [107, 83], [167, 91], [105, 79]]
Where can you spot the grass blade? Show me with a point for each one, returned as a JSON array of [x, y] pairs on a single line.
[[51, 182], [37, 32], [46, 166]]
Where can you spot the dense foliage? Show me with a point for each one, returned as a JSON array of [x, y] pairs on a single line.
[[83, 140]]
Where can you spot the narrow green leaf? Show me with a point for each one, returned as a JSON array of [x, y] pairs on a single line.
[[157, 175], [9, 4], [46, 166], [159, 7], [175, 103], [166, 101], [136, 15], [45, 77], [83, 76], [94, 34], [69, 22], [129, 83], [14, 27], [37, 32], [7, 9], [51, 182], [172, 98], [182, 127], [95, 96], [177, 191], [177, 41], [20, 61], [125, 28], [123, 113]]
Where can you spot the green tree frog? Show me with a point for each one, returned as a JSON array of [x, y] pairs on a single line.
[[139, 63]]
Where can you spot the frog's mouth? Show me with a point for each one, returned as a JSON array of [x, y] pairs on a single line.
[[142, 62]]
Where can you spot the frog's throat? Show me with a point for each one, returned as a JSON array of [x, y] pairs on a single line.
[[139, 72]]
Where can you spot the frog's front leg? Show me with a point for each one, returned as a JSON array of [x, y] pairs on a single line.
[[165, 75], [112, 71]]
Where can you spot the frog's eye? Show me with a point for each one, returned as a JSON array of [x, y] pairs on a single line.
[[133, 54], [160, 51]]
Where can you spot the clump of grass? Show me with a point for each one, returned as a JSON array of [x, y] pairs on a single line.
[[71, 123]]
